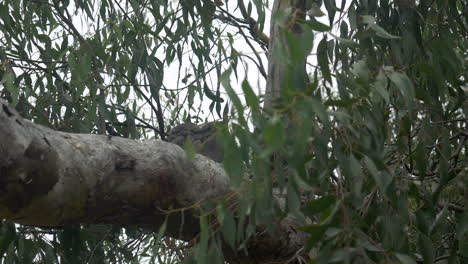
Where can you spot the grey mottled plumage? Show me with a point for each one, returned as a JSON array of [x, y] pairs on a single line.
[[203, 137]]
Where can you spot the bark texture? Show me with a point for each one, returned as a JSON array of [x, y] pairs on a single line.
[[287, 16], [53, 179]]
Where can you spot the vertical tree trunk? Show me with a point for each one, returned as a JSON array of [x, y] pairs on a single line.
[[293, 12]]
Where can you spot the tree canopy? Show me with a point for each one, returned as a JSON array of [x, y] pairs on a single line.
[[343, 127]]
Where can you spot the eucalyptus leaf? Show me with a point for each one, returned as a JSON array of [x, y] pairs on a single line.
[[323, 59]]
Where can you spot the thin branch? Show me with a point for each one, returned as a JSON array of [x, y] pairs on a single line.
[[254, 30], [260, 63]]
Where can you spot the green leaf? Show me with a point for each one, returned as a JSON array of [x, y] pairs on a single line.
[[318, 205], [405, 86], [322, 57], [293, 200], [299, 47], [352, 17], [211, 95], [189, 149], [316, 233], [161, 231], [83, 68], [259, 5], [26, 250], [462, 248], [232, 160], [191, 94], [155, 74], [274, 134], [380, 86], [382, 33], [405, 259], [250, 96], [8, 80], [215, 254], [421, 161], [319, 109], [71, 241], [202, 246], [361, 70], [44, 39], [347, 42], [317, 26], [342, 255], [426, 247], [315, 11], [131, 126], [330, 213], [363, 241], [462, 227], [439, 219], [226, 82], [207, 13], [331, 10], [371, 24], [357, 174], [382, 178], [7, 236], [229, 228], [4, 14]]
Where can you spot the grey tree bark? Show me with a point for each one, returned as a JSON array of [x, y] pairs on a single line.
[[50, 178], [287, 16]]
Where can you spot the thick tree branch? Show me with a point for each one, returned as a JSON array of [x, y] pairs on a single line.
[[53, 179]]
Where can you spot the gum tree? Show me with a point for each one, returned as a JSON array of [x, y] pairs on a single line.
[[355, 151]]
